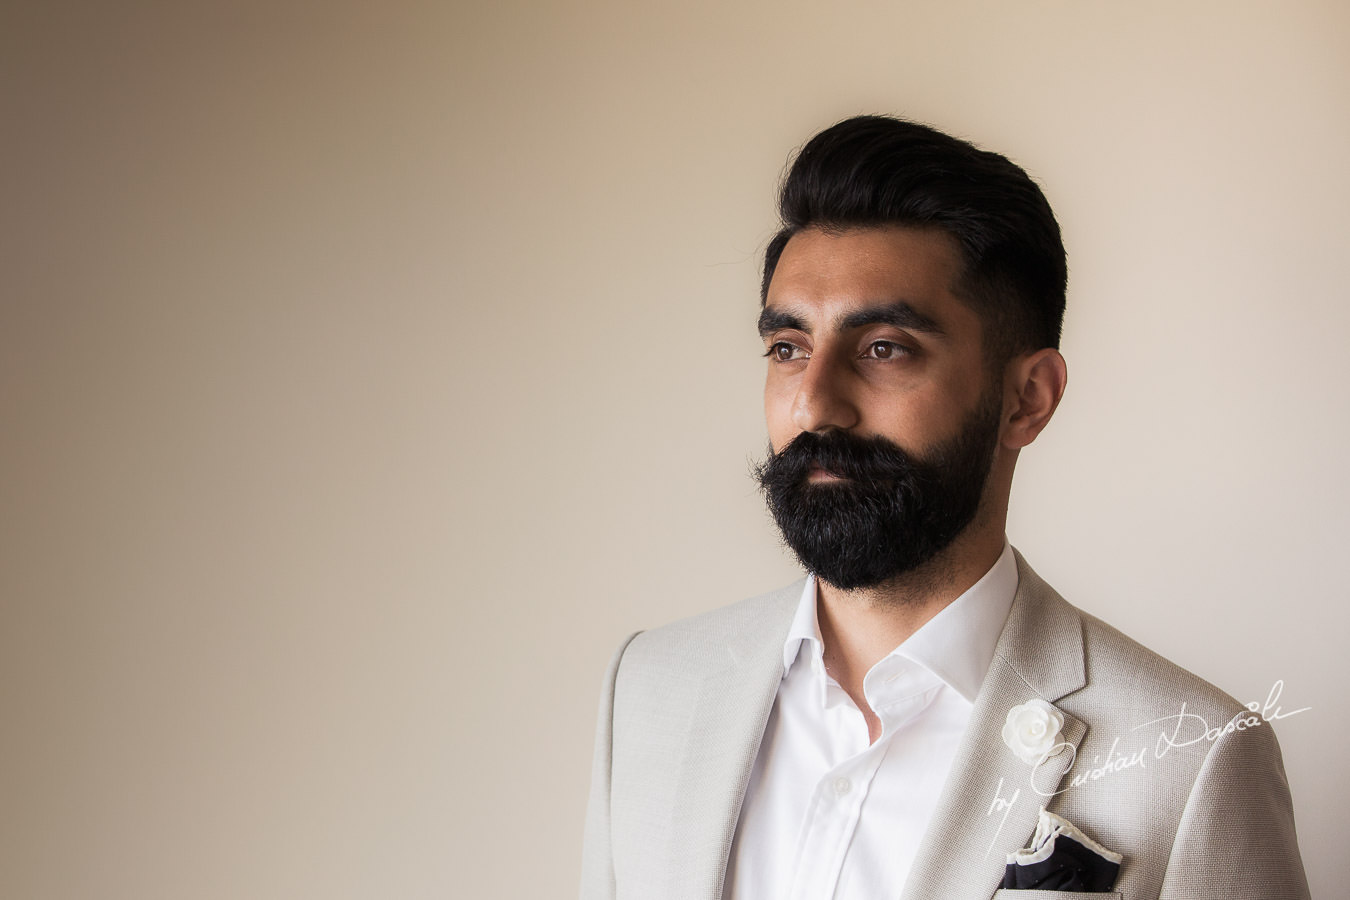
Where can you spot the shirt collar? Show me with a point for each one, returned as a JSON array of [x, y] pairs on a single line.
[[956, 645], [805, 629]]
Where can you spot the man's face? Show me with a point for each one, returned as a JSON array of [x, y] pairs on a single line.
[[882, 418]]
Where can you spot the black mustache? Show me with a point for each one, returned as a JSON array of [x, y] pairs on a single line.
[[867, 460]]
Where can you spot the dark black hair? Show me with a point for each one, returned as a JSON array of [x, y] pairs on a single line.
[[872, 171]]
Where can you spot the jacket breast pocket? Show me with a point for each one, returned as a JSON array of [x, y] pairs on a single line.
[[1006, 894]]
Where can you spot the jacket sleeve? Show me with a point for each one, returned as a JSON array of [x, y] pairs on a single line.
[[597, 858], [1236, 837]]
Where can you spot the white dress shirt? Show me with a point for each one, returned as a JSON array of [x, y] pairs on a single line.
[[830, 815]]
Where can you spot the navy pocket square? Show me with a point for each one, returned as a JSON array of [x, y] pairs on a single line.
[[1061, 858]]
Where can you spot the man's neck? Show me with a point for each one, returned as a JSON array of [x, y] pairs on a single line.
[[861, 627]]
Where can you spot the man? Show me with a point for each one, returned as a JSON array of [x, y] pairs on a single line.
[[922, 717]]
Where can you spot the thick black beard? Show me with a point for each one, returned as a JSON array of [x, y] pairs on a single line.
[[893, 514]]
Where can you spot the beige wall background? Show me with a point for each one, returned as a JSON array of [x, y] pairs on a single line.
[[367, 371]]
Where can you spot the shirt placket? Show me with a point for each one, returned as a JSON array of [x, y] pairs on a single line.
[[835, 808]]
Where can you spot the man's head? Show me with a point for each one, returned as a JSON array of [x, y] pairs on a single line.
[[911, 306], [874, 171]]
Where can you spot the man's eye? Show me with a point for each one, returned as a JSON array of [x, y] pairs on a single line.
[[884, 350], [782, 352]]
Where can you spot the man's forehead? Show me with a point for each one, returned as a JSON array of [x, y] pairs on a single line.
[[879, 252], [828, 276]]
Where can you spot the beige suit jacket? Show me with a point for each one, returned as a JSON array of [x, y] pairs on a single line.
[[1151, 766]]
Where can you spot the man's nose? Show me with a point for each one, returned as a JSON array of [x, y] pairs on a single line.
[[825, 396]]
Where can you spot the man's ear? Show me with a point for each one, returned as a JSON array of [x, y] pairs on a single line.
[[1033, 385]]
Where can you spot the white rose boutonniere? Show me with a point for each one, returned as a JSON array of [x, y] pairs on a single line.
[[1032, 729]]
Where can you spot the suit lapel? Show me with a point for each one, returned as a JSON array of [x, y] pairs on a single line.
[[990, 802], [732, 710]]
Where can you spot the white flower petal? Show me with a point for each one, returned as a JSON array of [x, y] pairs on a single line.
[[1032, 729]]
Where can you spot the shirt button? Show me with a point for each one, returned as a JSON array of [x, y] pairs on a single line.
[[842, 786]]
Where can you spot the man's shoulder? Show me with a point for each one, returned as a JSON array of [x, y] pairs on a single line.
[[1120, 669], [1113, 657], [749, 623]]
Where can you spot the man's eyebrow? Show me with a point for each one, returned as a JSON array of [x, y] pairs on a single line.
[[771, 320], [898, 314]]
